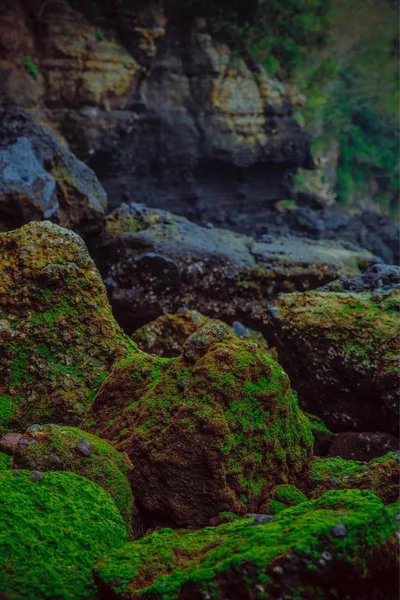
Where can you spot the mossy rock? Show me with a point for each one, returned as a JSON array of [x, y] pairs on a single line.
[[339, 546], [5, 461], [167, 334], [62, 448], [58, 338], [323, 436], [381, 475], [52, 532], [340, 350], [281, 497], [208, 432]]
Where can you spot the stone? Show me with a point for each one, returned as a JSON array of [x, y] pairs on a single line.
[[63, 448], [54, 531], [339, 530], [363, 446], [223, 275], [214, 446], [340, 349], [294, 555], [64, 337], [166, 335], [9, 441], [40, 179]]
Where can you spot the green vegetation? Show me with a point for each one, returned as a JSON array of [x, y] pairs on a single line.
[[159, 565], [51, 533], [30, 66], [281, 497], [5, 461], [58, 450]]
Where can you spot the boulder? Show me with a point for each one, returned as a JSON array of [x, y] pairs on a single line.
[[62, 448], [208, 432], [52, 531], [58, 337], [154, 262], [381, 475], [342, 545], [363, 446], [40, 179], [166, 335], [340, 349]]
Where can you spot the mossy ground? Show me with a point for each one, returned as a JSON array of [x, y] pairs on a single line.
[[209, 435], [51, 533], [163, 564], [59, 338], [281, 497], [57, 450], [5, 461]]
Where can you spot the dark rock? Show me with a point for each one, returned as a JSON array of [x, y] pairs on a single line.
[[259, 519], [339, 530], [363, 446], [221, 274], [40, 179], [84, 446], [379, 277]]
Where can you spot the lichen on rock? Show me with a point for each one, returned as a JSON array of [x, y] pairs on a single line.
[[208, 432], [51, 533], [327, 548], [58, 337]]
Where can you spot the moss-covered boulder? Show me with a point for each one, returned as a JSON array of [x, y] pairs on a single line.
[[323, 436], [58, 338], [62, 448], [51, 532], [340, 350], [381, 475], [166, 335], [281, 497], [339, 546], [208, 432]]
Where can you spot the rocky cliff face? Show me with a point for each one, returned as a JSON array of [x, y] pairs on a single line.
[[163, 113]]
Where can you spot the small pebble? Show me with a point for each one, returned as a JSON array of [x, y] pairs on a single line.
[[84, 446], [36, 476], [333, 481], [339, 530]]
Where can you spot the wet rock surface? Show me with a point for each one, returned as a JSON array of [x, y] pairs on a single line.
[[220, 273], [41, 179]]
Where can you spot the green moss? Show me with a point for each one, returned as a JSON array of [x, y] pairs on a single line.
[[63, 338], [160, 565], [281, 497], [51, 533], [231, 407], [30, 66], [57, 450], [5, 461], [323, 468], [317, 424]]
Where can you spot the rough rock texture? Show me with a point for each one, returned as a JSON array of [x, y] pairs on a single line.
[[381, 475], [339, 546], [58, 337], [363, 446], [156, 262], [166, 335], [377, 233], [208, 432], [163, 112], [51, 533], [40, 179], [340, 350], [62, 448]]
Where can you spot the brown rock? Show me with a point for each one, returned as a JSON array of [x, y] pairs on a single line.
[[9, 442], [363, 446]]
